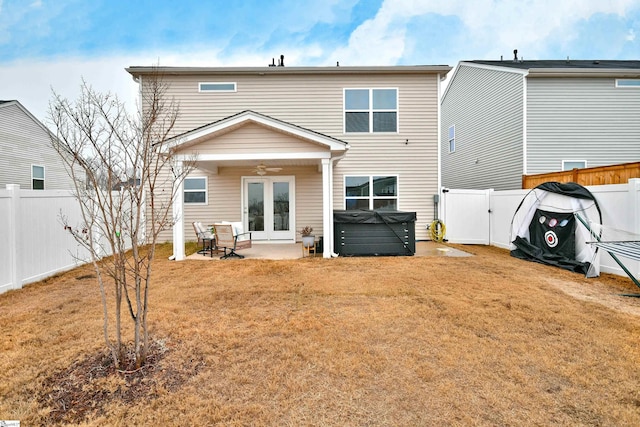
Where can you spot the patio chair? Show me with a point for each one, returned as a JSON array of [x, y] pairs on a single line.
[[206, 238], [231, 237]]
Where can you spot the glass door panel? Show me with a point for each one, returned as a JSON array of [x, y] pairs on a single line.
[[281, 206], [269, 207], [255, 203]]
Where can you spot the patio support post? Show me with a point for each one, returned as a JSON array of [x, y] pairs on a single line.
[[178, 218], [327, 211]]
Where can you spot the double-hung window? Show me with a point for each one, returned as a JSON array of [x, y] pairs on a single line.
[[371, 192], [568, 165], [452, 138], [370, 110], [195, 190], [37, 177]]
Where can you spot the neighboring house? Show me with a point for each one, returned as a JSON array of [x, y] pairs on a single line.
[[505, 119], [26, 155], [280, 148]]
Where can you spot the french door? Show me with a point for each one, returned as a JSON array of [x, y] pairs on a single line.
[[269, 207]]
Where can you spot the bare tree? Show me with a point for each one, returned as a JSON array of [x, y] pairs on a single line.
[[105, 148]]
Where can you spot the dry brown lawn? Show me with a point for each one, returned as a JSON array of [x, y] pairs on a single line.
[[390, 341]]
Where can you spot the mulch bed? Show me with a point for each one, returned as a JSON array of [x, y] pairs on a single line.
[[87, 386]]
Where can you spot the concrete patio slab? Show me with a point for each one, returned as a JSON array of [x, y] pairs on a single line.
[[294, 251]]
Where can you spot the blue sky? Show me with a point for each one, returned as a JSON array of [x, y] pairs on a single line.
[[54, 44]]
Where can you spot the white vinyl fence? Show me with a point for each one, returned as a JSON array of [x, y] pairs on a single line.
[[484, 216], [35, 244], [33, 241]]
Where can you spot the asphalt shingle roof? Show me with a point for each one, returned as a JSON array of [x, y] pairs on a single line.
[[577, 64]]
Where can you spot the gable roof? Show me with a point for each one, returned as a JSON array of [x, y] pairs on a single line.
[[26, 112], [564, 68], [564, 64], [235, 121], [556, 68]]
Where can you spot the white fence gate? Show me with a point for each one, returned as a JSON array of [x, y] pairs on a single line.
[[466, 214]]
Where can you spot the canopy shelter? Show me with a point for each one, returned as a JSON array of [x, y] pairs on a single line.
[[545, 229]]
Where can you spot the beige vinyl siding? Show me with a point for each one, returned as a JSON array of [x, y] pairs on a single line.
[[486, 107], [24, 142], [253, 138], [315, 102], [411, 154], [581, 119], [225, 202]]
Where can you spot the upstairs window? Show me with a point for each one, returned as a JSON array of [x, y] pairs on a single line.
[[632, 83], [195, 190], [452, 138], [371, 192], [370, 110], [217, 87], [37, 177], [568, 165]]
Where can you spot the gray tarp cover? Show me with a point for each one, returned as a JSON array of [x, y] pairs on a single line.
[[372, 217]]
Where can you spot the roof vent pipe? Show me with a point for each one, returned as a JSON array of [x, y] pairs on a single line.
[[273, 62], [281, 62], [515, 55]]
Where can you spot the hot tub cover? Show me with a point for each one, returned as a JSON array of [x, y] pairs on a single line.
[[362, 216]]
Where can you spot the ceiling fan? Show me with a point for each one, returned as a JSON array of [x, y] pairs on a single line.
[[262, 169]]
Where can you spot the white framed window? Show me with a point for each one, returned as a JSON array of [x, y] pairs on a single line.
[[370, 110], [452, 138], [371, 192], [217, 87], [628, 83], [195, 190], [37, 177], [568, 165]]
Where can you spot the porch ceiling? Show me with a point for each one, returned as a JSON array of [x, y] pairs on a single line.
[[248, 166]]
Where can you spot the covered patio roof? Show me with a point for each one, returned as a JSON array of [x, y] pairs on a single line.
[[228, 124], [315, 149]]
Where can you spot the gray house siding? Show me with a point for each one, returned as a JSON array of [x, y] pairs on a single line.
[[25, 142], [581, 119], [486, 107]]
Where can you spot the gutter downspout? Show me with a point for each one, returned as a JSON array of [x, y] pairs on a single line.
[[524, 124], [439, 187]]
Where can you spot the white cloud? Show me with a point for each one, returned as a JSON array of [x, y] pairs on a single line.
[[31, 81], [631, 35], [490, 25]]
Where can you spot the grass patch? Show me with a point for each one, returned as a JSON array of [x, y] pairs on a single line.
[[482, 340]]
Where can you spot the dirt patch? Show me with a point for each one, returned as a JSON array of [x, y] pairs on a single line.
[[601, 292], [82, 390]]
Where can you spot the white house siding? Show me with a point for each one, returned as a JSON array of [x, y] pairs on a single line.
[[24, 142], [486, 107], [315, 102], [590, 113]]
